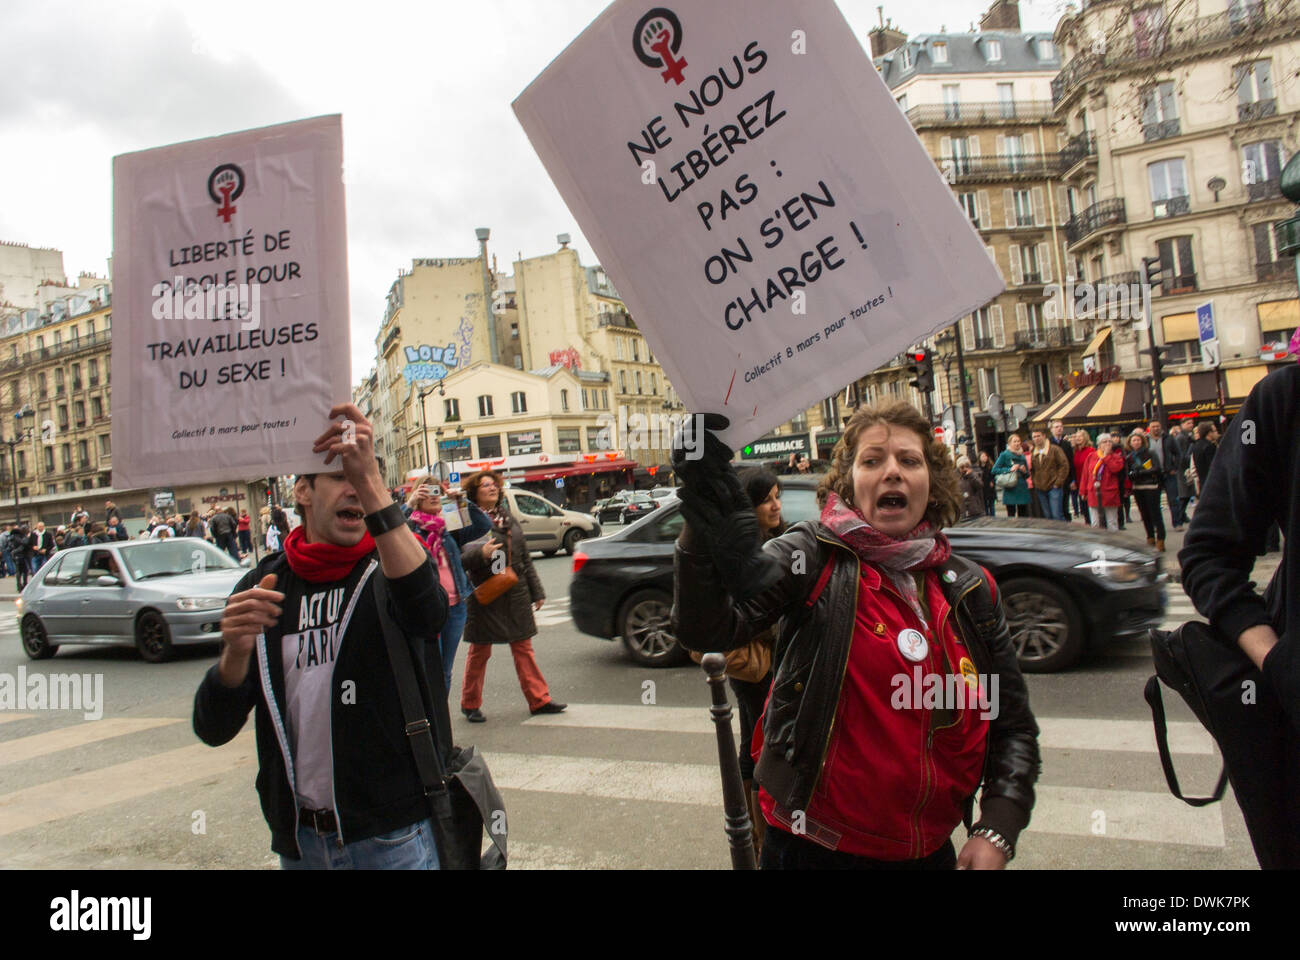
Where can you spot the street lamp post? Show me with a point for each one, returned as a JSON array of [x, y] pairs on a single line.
[[13, 465]]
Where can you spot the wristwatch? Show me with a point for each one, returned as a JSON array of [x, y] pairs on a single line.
[[995, 838], [385, 519]]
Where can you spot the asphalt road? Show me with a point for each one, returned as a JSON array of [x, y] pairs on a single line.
[[626, 778]]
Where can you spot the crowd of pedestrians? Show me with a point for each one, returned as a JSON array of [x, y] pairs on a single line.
[[1096, 479]]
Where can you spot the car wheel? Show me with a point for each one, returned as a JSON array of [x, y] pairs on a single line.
[[1046, 629], [571, 540], [622, 517], [550, 553], [36, 643], [153, 638], [645, 624]]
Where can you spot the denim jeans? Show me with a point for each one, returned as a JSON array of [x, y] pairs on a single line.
[[1051, 503], [407, 848], [8, 559], [1176, 504], [449, 639]]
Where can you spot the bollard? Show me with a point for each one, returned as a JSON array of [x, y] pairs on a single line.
[[739, 829]]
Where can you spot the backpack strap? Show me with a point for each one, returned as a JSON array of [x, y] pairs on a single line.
[[822, 580]]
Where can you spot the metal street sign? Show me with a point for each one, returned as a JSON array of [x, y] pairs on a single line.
[[1208, 334], [453, 477]]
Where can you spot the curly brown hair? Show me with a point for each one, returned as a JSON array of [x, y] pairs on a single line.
[[471, 485], [945, 499]]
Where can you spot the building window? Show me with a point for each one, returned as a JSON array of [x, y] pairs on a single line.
[[1261, 163], [1034, 319], [1041, 383], [103, 448], [1168, 188], [489, 445], [982, 328], [622, 381], [1007, 99], [564, 401], [66, 451], [992, 50], [907, 58], [93, 366], [961, 154], [41, 390], [597, 438], [1254, 83], [76, 376], [988, 384], [63, 416], [1029, 266], [514, 331], [1159, 111], [1176, 264], [79, 412], [49, 459], [96, 408], [830, 415], [518, 402], [451, 409], [1269, 262], [618, 348], [1183, 351], [58, 381], [1024, 208], [969, 203], [569, 439], [1046, 50], [22, 465], [940, 52], [604, 399], [654, 385], [485, 406], [1149, 33], [638, 381], [951, 101], [636, 350]]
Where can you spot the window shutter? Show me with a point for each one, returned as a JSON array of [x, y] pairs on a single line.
[[945, 148], [1050, 314], [1040, 213], [1013, 254], [1009, 207], [967, 333], [1022, 318], [1027, 143], [1044, 263], [1062, 204], [1001, 148], [999, 333], [973, 144], [986, 214], [983, 379]]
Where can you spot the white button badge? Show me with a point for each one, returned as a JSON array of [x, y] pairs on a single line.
[[912, 644]]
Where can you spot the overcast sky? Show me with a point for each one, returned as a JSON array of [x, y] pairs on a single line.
[[432, 149]]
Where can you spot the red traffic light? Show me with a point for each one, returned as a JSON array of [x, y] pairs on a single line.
[[919, 355]]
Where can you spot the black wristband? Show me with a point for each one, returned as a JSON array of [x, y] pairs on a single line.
[[389, 518]]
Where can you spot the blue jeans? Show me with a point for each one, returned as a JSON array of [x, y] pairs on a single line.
[[1177, 505], [449, 640], [406, 848], [8, 560], [1051, 502], [38, 561]]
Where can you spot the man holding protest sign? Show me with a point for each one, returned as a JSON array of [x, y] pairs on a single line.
[[338, 783]]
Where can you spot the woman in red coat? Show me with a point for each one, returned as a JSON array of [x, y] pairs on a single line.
[[1102, 475]]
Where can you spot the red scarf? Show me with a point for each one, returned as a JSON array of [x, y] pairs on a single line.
[[323, 562]]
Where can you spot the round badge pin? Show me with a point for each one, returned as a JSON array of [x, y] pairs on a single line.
[[949, 576], [912, 644], [968, 671]]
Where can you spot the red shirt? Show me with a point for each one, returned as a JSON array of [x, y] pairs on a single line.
[[244, 522], [895, 776]]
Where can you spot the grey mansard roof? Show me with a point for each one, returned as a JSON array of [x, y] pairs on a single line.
[[968, 53]]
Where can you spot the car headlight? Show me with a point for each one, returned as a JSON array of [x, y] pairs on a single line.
[[19, 604], [200, 603], [1118, 570]]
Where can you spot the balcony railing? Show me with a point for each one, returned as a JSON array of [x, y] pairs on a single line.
[[1170, 207], [1053, 338], [1183, 283], [983, 343], [982, 113], [1031, 277], [1079, 147], [1264, 189], [1270, 270], [1257, 110], [1236, 27], [1037, 166], [90, 341], [1161, 130], [1103, 213]]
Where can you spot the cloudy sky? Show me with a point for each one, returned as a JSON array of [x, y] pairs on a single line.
[[432, 149]]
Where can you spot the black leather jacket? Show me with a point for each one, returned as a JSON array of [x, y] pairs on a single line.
[[812, 653]]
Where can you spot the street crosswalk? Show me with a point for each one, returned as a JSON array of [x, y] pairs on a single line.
[[1132, 810]]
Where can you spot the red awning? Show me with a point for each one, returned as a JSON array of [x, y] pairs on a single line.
[[577, 469]]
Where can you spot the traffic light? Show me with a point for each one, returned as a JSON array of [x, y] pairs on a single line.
[[1152, 271], [922, 368]]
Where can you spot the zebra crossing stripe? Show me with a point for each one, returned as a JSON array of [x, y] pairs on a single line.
[[643, 780], [1129, 736], [617, 716], [96, 789], [65, 738], [1124, 815]]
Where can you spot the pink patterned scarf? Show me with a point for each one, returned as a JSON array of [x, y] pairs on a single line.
[[921, 549], [434, 526]]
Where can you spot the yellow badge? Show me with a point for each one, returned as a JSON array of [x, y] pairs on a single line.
[[968, 671]]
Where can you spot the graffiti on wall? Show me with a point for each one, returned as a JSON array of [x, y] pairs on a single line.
[[425, 362], [565, 358]]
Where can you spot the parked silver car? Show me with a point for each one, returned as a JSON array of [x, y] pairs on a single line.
[[155, 594]]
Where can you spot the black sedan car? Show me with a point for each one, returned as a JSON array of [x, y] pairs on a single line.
[[632, 506], [1065, 588]]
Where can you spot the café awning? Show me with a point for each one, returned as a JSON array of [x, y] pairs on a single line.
[[1119, 401], [1197, 394], [1097, 341], [577, 469]]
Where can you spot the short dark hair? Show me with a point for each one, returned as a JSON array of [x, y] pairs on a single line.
[[1203, 430]]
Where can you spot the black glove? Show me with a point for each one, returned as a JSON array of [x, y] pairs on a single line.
[[719, 513]]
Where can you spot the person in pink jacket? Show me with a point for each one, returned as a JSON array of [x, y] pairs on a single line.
[[1103, 471]]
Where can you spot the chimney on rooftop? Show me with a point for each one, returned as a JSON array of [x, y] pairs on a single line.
[[1003, 15]]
